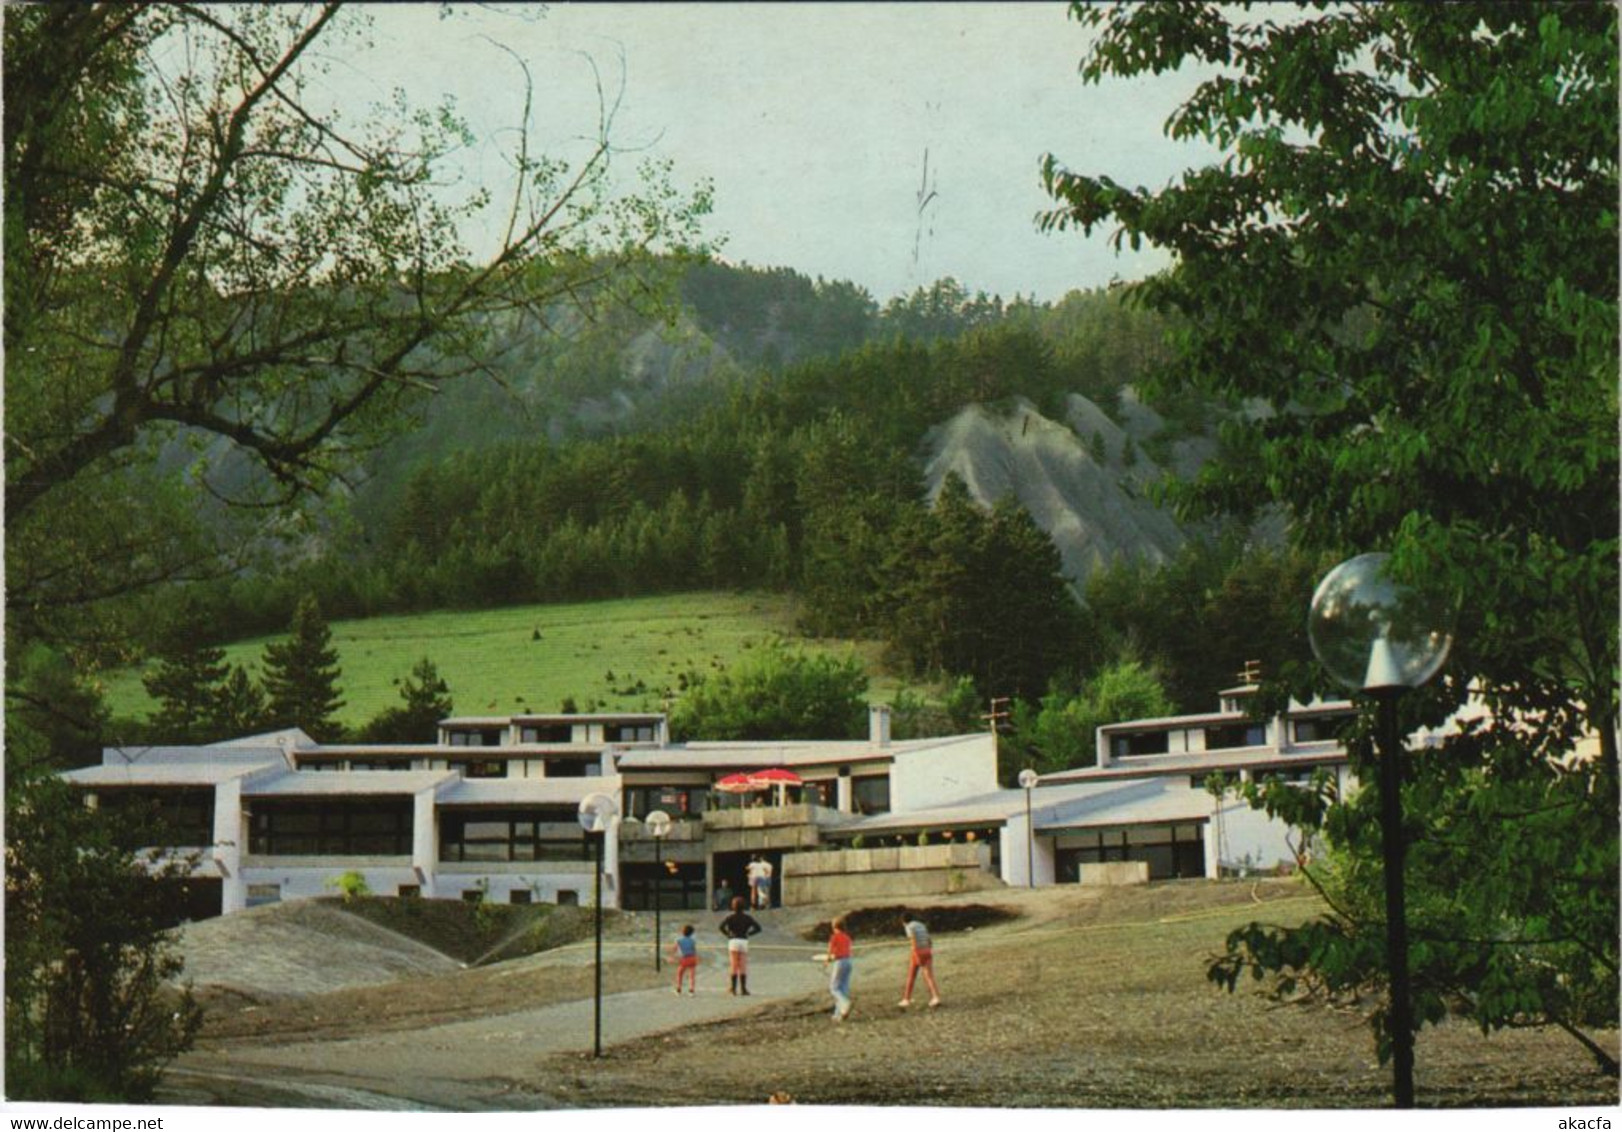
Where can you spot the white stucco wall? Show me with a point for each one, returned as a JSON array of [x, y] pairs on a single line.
[[939, 776]]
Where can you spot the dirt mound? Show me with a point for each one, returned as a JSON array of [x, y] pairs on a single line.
[[301, 947], [870, 923]]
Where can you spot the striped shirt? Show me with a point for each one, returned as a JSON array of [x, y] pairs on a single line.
[[918, 934]]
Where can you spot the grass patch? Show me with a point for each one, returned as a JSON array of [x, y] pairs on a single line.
[[612, 655]]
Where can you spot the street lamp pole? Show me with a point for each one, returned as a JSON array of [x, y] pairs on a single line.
[[1027, 779], [597, 813], [1393, 850], [658, 824], [1381, 638]]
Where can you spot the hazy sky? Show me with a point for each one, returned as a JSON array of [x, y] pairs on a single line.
[[813, 122]]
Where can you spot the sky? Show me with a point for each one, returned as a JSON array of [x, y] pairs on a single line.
[[822, 127]]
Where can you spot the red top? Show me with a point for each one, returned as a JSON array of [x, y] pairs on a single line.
[[839, 945]]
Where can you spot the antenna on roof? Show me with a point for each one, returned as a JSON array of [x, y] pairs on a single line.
[[1251, 673]]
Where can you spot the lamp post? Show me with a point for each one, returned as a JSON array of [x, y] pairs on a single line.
[[1381, 638], [597, 813], [1027, 779], [658, 824]]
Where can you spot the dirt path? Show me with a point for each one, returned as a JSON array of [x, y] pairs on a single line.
[[483, 1062]]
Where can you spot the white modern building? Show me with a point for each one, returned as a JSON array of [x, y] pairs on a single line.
[[489, 810]]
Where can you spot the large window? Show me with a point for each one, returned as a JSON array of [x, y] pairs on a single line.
[[871, 795], [640, 801], [477, 737], [1322, 728], [571, 768], [545, 733], [542, 833], [178, 816], [1140, 743], [630, 733], [1170, 850], [1233, 735], [683, 889], [331, 827], [481, 768]]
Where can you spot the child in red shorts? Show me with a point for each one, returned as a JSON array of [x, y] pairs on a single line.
[[685, 952]]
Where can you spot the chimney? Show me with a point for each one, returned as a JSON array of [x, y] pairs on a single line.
[[878, 724]]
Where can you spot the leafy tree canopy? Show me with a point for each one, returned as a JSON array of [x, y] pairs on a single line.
[[1408, 257], [206, 270], [778, 694]]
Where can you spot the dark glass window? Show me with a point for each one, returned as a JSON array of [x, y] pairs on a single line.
[[478, 737], [630, 733], [640, 801], [520, 896], [179, 816], [570, 768], [683, 889], [372, 827], [482, 768], [871, 795], [1235, 735], [568, 898], [1140, 743], [1170, 850], [546, 733], [1321, 729], [543, 833]]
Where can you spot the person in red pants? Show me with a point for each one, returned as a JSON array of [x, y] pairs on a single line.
[[685, 952], [923, 959]]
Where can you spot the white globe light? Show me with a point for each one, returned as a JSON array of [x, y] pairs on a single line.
[[658, 823], [1027, 778], [1373, 634], [596, 812]]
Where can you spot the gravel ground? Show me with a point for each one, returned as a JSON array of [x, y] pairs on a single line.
[[1089, 999]]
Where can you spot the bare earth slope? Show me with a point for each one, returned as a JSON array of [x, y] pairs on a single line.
[[1095, 510]]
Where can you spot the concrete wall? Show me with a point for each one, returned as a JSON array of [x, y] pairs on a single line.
[[1111, 874], [942, 775], [858, 874], [1014, 850]]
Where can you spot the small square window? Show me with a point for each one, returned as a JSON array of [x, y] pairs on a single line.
[[520, 896], [568, 898], [409, 890]]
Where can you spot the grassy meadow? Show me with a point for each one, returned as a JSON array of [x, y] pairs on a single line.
[[611, 654]]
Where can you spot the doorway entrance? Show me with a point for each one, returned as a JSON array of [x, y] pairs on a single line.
[[733, 868]]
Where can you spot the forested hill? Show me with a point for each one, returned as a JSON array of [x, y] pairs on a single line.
[[760, 430]]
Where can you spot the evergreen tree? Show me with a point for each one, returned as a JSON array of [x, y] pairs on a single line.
[[187, 683], [239, 705], [301, 676], [427, 701]]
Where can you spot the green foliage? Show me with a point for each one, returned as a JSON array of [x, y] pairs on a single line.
[[350, 885], [1199, 617], [301, 676], [1061, 731], [91, 1009], [979, 595], [427, 701], [777, 694], [206, 307], [1409, 258], [54, 717], [188, 684]]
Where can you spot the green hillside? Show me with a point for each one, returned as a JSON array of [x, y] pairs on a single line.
[[615, 654]]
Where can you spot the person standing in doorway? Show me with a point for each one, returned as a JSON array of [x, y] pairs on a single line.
[[758, 880], [685, 952], [923, 959], [839, 964], [737, 928], [763, 883]]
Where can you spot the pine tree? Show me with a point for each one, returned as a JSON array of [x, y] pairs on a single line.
[[239, 705], [187, 682], [301, 676]]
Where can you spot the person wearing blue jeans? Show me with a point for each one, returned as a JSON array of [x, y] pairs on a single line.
[[840, 968]]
